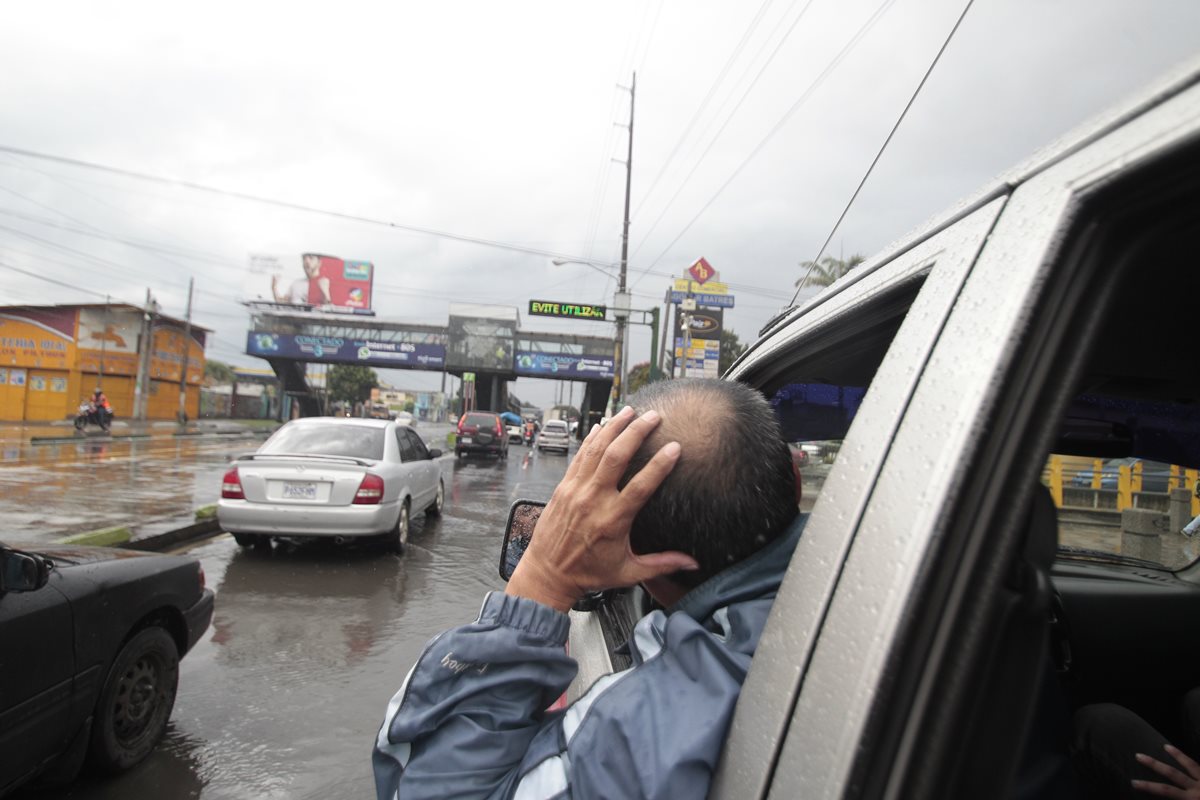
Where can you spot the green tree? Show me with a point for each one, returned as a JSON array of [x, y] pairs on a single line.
[[637, 377], [731, 348], [351, 383], [826, 271], [217, 372]]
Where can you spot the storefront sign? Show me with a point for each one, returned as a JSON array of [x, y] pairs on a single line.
[[41, 338]]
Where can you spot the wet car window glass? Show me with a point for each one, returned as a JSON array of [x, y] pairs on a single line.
[[1092, 490], [418, 446], [824, 393], [483, 420], [356, 441], [407, 451], [1124, 467]]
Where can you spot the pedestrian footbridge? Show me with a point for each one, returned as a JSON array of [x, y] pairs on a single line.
[[479, 339]]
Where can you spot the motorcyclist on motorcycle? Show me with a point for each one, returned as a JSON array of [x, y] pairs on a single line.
[[531, 431], [104, 412]]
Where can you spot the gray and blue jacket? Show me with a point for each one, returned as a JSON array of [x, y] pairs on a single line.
[[470, 719]]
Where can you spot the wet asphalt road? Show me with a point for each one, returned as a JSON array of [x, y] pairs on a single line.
[[73, 484], [284, 694]]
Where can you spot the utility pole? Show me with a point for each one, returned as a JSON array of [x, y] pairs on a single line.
[[145, 347], [666, 330], [187, 346], [103, 342], [621, 300]]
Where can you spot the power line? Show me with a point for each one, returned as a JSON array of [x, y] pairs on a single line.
[[886, 142], [687, 128], [245, 196], [732, 114], [812, 87]]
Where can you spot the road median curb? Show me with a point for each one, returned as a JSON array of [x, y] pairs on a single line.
[[205, 529]]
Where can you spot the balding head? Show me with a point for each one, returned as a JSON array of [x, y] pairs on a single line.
[[732, 490]]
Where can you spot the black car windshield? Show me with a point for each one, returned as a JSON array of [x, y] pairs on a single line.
[[356, 441], [486, 420]]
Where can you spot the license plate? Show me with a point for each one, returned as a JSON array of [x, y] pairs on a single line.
[[299, 491], [466, 440]]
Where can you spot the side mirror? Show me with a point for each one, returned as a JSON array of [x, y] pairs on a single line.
[[522, 519], [435, 453], [22, 572]]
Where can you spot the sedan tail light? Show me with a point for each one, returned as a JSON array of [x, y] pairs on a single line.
[[231, 486], [370, 491]]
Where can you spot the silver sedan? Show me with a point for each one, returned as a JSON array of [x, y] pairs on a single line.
[[332, 477]]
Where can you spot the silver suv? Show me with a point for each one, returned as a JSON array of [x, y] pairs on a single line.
[[953, 598]]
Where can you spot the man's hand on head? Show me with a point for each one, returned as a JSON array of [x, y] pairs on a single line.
[[581, 542]]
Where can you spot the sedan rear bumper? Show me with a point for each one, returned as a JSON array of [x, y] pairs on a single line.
[[294, 519]]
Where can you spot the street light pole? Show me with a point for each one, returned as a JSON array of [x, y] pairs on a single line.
[[621, 300]]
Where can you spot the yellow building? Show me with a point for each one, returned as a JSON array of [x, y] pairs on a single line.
[[52, 357]]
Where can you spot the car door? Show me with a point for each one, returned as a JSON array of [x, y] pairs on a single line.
[[36, 672], [423, 466], [873, 678]]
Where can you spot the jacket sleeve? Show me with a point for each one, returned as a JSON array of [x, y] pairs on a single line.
[[466, 716], [470, 721]]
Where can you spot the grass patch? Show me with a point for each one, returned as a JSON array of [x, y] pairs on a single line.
[[206, 512], [105, 537]]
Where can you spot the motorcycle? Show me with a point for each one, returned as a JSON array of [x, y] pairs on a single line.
[[529, 436], [91, 414]]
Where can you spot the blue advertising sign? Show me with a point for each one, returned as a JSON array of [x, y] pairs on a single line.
[[715, 300], [344, 350], [562, 365]]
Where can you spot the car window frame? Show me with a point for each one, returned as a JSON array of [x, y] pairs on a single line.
[[824, 751], [942, 262]]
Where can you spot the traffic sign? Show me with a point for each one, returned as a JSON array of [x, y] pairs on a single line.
[[548, 308]]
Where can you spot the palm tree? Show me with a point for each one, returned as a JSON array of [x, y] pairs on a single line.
[[826, 271]]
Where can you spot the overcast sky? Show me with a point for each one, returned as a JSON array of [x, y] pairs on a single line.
[[496, 121]]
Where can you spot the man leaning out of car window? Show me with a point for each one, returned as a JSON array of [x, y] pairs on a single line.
[[692, 495]]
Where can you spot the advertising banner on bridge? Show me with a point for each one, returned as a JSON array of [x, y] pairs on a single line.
[[563, 366], [327, 283], [481, 337], [346, 350]]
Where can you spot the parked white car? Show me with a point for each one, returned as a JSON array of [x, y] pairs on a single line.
[[928, 640], [334, 478]]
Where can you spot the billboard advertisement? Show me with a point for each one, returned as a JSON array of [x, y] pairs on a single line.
[[346, 350], [326, 282], [705, 323], [481, 337], [563, 365]]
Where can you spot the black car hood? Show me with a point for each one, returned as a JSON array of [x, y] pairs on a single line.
[[66, 555]]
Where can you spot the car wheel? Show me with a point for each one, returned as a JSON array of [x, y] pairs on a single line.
[[251, 539], [435, 510], [136, 701], [458, 453], [399, 535]]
